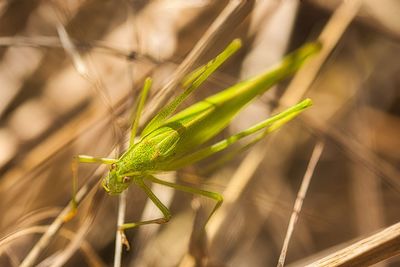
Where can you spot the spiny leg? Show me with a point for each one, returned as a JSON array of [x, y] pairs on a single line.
[[74, 166], [237, 151], [164, 210], [213, 195], [267, 126]]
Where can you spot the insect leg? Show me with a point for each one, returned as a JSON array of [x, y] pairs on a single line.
[[164, 210], [74, 166], [213, 195], [139, 109], [267, 125], [231, 154], [190, 83]]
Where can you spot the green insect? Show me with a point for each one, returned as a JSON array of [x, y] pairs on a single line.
[[170, 142]]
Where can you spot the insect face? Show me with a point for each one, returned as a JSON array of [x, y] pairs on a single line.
[[114, 183]]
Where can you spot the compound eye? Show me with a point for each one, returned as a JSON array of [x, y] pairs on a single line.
[[126, 179], [113, 166]]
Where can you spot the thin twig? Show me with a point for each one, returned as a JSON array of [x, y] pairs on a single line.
[[54, 42], [318, 148], [82, 69], [118, 236], [70, 48]]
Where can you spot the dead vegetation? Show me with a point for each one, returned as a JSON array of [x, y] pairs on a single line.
[[51, 112]]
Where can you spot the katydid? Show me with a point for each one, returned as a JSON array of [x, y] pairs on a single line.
[[169, 142]]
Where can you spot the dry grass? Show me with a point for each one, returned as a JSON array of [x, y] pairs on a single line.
[[51, 112]]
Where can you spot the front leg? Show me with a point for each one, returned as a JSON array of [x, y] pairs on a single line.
[[212, 195], [165, 211], [74, 166]]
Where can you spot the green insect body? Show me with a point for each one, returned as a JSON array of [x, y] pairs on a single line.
[[170, 142], [185, 131]]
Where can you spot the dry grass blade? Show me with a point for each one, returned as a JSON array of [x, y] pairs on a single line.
[[80, 235], [357, 152], [11, 237], [368, 251], [13, 258], [234, 190], [52, 230], [82, 69], [329, 37], [70, 48], [85, 247], [55, 81], [319, 147]]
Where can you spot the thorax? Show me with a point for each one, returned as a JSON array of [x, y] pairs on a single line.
[[150, 152]]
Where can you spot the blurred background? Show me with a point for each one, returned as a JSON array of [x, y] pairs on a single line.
[[55, 104]]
